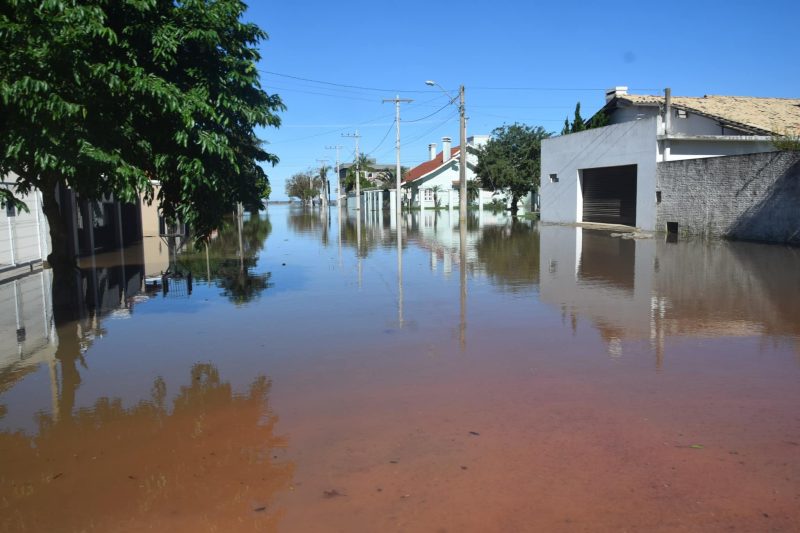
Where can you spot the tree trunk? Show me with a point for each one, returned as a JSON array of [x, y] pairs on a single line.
[[62, 254], [61, 259], [514, 201]]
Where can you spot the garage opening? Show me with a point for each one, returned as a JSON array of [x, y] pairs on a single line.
[[609, 195]]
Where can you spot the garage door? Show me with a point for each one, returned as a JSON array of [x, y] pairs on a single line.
[[609, 195]]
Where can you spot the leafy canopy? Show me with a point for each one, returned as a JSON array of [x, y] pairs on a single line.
[[105, 96], [304, 186], [511, 159]]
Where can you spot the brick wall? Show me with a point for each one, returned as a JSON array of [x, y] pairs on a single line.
[[750, 197]]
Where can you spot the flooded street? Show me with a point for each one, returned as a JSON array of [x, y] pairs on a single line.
[[513, 377]]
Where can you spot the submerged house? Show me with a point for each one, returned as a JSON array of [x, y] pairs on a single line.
[[435, 182], [641, 169]]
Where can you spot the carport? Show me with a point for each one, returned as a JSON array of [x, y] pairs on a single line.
[[609, 194]]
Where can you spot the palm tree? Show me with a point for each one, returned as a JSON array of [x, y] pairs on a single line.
[[436, 189]]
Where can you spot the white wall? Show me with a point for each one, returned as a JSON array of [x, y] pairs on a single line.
[[628, 143], [695, 149], [24, 237], [627, 312]]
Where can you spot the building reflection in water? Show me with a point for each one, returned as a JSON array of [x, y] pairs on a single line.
[[651, 289], [115, 467], [206, 458]]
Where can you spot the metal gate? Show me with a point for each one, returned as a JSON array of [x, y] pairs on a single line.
[[609, 195]]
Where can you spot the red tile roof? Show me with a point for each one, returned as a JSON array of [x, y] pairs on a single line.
[[428, 166]]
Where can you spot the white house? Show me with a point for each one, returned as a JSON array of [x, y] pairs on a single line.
[[609, 174], [437, 180]]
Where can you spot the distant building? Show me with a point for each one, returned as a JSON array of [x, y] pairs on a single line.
[[377, 174], [611, 174]]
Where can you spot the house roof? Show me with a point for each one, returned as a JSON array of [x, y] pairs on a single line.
[[428, 166], [764, 116]]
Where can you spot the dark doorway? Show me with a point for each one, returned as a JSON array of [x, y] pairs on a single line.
[[609, 195]]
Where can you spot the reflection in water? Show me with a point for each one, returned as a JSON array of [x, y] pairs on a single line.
[[202, 457], [510, 255], [230, 258], [652, 289], [202, 463]]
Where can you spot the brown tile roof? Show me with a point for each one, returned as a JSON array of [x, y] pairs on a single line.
[[428, 166], [764, 116]]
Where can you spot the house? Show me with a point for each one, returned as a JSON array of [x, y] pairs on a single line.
[[436, 181], [377, 173], [624, 173]]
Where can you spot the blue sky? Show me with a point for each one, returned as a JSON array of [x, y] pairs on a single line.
[[519, 61]]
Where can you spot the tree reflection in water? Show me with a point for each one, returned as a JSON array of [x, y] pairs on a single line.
[[204, 464], [223, 265], [510, 255]]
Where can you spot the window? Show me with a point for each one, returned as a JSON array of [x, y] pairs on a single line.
[[681, 113], [658, 197], [10, 210], [428, 196], [553, 178]]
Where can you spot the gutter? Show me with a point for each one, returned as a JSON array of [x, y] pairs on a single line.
[[715, 138]]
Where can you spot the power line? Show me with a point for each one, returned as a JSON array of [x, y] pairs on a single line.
[[283, 141], [472, 88], [382, 140], [334, 84], [429, 116], [343, 96]]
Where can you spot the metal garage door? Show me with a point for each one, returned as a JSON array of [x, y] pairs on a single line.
[[609, 195]]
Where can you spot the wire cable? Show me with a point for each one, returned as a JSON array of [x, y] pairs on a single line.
[[427, 116], [382, 140], [343, 84]]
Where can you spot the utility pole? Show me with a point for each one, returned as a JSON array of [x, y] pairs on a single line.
[[462, 157], [338, 184], [356, 136], [397, 101], [324, 182], [462, 162]]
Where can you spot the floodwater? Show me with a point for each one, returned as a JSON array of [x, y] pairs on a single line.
[[511, 377]]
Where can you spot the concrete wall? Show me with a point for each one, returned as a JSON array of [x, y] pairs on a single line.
[[752, 197], [628, 143]]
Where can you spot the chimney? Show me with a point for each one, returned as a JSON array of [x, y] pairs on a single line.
[[614, 92], [445, 149], [432, 151]]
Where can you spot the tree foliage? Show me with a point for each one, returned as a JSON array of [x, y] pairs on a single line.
[[364, 164], [511, 160], [304, 186], [599, 120], [104, 97]]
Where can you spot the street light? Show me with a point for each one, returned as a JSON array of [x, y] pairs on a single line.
[[462, 157]]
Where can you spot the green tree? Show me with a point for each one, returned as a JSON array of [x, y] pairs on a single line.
[[566, 129], [103, 97], [599, 120], [304, 186], [578, 124], [511, 160], [364, 164]]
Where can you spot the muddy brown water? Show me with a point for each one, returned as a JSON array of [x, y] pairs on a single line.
[[516, 377]]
